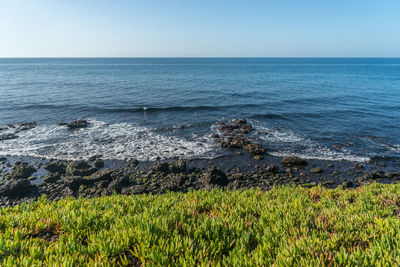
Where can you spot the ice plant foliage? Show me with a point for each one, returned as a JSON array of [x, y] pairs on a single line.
[[286, 226]]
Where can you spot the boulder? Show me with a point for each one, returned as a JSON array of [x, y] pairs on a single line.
[[25, 126], [99, 163], [77, 124], [22, 170], [214, 176], [347, 184], [118, 183], [56, 167], [99, 176], [272, 169], [316, 170], [178, 166], [293, 162], [80, 168], [74, 182], [17, 189], [7, 136], [51, 178]]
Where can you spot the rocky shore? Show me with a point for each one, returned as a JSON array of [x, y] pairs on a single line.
[[250, 166]]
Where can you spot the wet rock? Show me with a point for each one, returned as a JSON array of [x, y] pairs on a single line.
[[118, 183], [81, 168], [25, 126], [178, 166], [7, 136], [51, 178], [74, 182], [347, 184], [77, 124], [272, 169], [99, 163], [329, 182], [242, 143], [215, 136], [133, 162], [388, 175], [239, 126], [161, 167], [358, 166], [93, 158], [3, 159], [293, 162], [17, 189], [316, 170], [55, 167], [22, 170], [99, 176], [214, 176], [258, 157]]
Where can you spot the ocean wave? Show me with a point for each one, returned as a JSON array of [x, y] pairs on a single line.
[[288, 143], [113, 141]]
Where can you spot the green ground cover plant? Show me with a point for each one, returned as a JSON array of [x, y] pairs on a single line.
[[286, 226]]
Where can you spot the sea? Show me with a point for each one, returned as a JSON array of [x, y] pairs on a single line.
[[341, 109]]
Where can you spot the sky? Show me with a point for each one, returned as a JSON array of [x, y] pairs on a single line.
[[199, 28]]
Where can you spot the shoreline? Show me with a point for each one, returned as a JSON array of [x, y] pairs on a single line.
[[59, 179], [24, 179]]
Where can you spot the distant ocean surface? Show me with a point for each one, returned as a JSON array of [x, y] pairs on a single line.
[[320, 108]]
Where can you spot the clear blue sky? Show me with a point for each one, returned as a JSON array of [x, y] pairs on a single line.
[[202, 28]]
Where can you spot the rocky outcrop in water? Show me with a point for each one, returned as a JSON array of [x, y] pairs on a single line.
[[22, 170], [81, 168], [7, 136], [234, 135], [77, 124]]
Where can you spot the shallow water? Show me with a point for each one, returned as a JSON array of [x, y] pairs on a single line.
[[146, 108]]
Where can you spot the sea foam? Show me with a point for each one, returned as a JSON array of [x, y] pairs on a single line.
[[112, 141]]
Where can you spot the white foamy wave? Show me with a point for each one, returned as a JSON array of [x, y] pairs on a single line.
[[394, 148], [288, 143], [113, 141]]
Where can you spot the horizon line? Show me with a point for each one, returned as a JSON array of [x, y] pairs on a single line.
[[183, 57]]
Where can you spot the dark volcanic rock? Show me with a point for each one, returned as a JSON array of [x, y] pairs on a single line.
[[240, 142], [293, 162], [51, 178], [81, 168], [17, 189], [3, 159], [239, 126], [56, 167], [234, 136], [25, 126], [99, 176], [272, 169], [213, 176], [161, 167], [178, 166], [74, 182], [316, 170], [22, 170], [7, 136], [99, 163], [347, 184], [77, 124]]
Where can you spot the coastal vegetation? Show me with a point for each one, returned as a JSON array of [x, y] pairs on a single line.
[[283, 226]]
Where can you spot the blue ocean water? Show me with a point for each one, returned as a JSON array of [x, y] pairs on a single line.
[[325, 108]]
